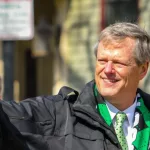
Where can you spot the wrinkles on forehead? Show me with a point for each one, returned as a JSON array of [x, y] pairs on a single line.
[[112, 42]]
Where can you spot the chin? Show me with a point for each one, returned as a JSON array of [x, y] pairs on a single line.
[[108, 93]]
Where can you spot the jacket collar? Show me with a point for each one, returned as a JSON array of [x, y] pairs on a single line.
[[146, 98], [88, 100], [85, 108], [86, 103]]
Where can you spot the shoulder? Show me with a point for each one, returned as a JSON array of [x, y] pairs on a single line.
[[36, 115], [39, 104]]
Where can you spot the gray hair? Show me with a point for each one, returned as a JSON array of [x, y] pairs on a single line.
[[123, 30]]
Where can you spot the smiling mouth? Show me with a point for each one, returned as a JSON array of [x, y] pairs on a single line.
[[110, 80]]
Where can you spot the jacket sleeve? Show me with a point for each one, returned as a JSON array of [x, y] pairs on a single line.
[[32, 115], [38, 115], [10, 136], [34, 118]]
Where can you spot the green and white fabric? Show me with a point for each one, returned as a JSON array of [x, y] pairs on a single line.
[[141, 121]]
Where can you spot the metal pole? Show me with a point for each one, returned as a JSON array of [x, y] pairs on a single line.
[[8, 56]]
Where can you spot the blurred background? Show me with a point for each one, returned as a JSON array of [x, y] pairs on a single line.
[[60, 52]]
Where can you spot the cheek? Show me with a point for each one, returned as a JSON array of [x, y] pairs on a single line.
[[98, 69], [130, 76], [134, 75], [122, 72], [97, 74]]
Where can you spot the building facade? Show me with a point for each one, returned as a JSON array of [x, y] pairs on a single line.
[[62, 50]]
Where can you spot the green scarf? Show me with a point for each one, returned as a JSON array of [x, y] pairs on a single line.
[[142, 126]]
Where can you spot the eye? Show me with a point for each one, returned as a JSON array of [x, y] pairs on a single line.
[[102, 62], [120, 64]]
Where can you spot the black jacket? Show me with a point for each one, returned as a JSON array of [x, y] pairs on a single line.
[[64, 122], [10, 137]]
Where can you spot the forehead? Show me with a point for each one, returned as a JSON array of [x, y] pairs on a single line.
[[114, 50], [123, 45], [117, 43]]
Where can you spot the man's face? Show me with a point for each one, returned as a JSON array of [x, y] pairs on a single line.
[[117, 74]]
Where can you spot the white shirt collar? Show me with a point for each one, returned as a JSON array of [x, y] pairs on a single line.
[[129, 111]]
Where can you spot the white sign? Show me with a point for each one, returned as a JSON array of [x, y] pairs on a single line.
[[16, 19]]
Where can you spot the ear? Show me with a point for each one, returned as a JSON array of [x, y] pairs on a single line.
[[143, 70]]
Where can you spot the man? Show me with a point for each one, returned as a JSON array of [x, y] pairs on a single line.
[[110, 113]]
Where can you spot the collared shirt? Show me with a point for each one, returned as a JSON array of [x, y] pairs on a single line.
[[128, 123]]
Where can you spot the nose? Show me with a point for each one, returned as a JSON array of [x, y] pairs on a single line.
[[109, 67]]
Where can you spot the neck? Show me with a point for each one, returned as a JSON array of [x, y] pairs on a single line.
[[122, 103], [122, 107]]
